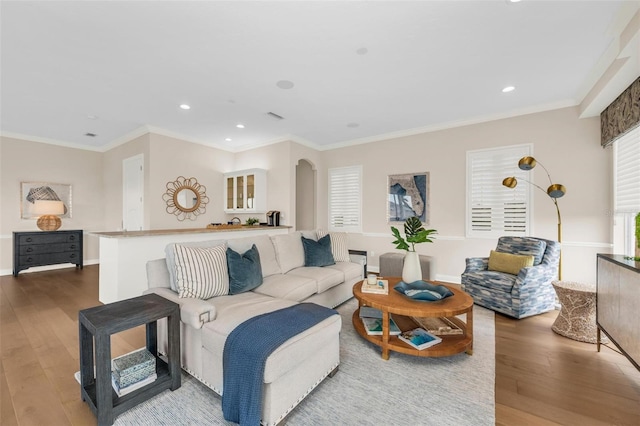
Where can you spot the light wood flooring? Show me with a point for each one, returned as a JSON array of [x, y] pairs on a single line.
[[541, 378]]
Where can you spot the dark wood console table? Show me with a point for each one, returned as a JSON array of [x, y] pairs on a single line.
[[617, 302], [100, 323], [41, 248]]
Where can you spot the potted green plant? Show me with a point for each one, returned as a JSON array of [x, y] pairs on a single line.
[[415, 233], [252, 221]]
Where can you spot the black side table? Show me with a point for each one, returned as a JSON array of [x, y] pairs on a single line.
[[100, 323]]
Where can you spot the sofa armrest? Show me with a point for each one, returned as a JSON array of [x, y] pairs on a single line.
[[475, 264], [193, 312]]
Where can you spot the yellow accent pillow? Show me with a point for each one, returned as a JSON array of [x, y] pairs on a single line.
[[509, 263]]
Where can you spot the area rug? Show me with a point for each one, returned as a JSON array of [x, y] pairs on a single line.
[[405, 390]]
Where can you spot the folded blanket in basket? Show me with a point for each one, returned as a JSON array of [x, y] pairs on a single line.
[[246, 351]]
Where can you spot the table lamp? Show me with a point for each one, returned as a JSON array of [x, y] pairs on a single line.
[[48, 211]]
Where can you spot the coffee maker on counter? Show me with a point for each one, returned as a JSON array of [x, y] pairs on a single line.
[[273, 218]]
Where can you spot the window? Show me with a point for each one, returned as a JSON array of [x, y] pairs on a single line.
[[626, 181], [493, 209], [345, 193]]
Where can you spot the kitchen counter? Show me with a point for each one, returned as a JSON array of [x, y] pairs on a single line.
[[209, 230], [124, 254]]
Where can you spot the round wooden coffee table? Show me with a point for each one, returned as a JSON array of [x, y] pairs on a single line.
[[403, 308]]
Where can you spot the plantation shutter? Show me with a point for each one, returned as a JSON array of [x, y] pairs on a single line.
[[493, 209], [627, 172], [345, 199]]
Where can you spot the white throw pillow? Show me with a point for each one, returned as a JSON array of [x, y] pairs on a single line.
[[289, 251], [339, 245], [268, 259], [201, 272], [170, 257]]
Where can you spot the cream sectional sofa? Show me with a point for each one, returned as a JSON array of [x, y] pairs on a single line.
[[302, 362]]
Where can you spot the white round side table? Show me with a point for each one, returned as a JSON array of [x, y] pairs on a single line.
[[577, 317]]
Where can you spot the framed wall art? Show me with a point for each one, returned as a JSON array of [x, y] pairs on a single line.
[[32, 191], [407, 196]]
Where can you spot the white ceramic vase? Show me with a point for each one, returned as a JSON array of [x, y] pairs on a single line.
[[411, 270]]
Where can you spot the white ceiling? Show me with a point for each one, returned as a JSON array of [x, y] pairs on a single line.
[[121, 68]]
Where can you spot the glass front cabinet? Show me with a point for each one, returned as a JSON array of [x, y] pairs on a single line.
[[245, 191]]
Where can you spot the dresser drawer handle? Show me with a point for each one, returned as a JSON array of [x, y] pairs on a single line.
[[72, 255], [29, 260], [29, 250], [72, 237], [72, 246], [29, 239]]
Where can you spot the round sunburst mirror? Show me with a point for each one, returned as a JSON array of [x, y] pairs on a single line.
[[186, 198]]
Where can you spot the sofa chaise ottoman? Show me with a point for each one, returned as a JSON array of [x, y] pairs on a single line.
[[302, 362]]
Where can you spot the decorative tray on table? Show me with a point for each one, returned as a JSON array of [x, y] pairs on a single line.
[[423, 291]]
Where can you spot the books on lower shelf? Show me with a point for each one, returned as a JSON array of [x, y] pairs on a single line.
[[440, 326], [419, 338], [380, 287], [373, 326], [137, 385], [121, 392]]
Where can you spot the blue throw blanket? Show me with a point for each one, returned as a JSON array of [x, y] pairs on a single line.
[[246, 351]]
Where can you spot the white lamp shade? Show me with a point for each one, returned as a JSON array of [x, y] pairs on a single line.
[[46, 207]]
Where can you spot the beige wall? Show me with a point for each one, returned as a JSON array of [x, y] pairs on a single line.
[[276, 159], [170, 158], [566, 145], [27, 161]]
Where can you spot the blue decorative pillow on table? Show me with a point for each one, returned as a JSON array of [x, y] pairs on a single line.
[[245, 272], [318, 253], [422, 290]]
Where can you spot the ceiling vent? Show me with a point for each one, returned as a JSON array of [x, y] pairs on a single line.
[[91, 135], [275, 116]]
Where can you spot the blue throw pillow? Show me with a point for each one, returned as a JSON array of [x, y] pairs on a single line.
[[245, 272], [318, 253]]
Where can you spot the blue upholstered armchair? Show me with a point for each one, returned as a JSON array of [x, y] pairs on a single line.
[[529, 292]]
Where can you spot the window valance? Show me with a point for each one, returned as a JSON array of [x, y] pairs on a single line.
[[622, 115]]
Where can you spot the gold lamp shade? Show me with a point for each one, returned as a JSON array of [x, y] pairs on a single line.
[[510, 182], [556, 190], [527, 163]]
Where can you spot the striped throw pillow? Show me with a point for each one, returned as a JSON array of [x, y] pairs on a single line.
[[201, 272], [339, 245]]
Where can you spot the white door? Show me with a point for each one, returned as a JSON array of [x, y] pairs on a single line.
[[132, 193]]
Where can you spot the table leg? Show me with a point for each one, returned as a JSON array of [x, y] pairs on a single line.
[[152, 337], [173, 352], [469, 330], [385, 335], [104, 399], [86, 358], [598, 339]]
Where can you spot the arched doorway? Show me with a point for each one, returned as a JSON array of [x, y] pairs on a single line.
[[305, 195]]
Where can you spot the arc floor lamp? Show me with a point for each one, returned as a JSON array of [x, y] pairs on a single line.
[[554, 191]]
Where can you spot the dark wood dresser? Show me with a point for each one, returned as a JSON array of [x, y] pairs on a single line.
[[46, 248]]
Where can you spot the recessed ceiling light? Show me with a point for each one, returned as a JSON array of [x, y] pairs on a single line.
[[285, 84], [353, 125], [240, 126], [92, 117], [362, 51], [508, 89], [185, 106], [228, 139], [514, 1]]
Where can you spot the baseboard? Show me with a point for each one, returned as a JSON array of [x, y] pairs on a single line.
[[454, 279], [48, 267]]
